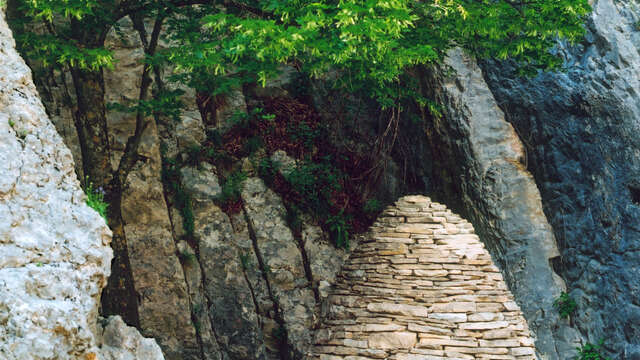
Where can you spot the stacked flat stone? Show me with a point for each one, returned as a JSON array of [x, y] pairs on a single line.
[[421, 287]]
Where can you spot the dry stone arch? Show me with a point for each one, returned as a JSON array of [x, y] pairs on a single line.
[[421, 287]]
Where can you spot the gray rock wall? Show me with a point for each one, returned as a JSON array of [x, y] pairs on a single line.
[[479, 159], [582, 134]]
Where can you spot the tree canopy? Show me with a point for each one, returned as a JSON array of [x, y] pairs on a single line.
[[365, 44]]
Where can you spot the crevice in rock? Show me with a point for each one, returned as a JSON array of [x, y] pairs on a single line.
[[286, 349], [635, 193], [209, 306], [244, 258], [120, 297], [557, 265], [295, 224], [194, 319]]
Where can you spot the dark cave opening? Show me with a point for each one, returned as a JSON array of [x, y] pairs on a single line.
[[635, 194]]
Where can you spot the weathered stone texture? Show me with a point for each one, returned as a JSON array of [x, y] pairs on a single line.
[[164, 304], [478, 148], [121, 342], [438, 296], [582, 132], [54, 250]]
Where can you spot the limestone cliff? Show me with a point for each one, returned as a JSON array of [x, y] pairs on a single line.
[[54, 249], [581, 130], [479, 151]]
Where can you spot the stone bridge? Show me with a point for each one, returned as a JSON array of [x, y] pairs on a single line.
[[421, 287]]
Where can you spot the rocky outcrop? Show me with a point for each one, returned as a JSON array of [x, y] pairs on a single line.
[[282, 260], [478, 148], [581, 132], [54, 250], [158, 276], [421, 286], [121, 342]]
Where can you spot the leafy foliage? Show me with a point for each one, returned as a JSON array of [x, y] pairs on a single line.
[[339, 228], [565, 305], [369, 42], [360, 45], [372, 206], [315, 184], [229, 197], [181, 199], [591, 352], [95, 199]]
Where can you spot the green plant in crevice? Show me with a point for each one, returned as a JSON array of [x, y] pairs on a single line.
[[187, 257], [565, 305], [195, 155], [339, 230], [267, 170], [181, 199], [315, 184], [372, 206], [266, 269], [183, 203], [293, 219], [591, 351], [95, 199], [252, 145], [229, 196], [245, 261]]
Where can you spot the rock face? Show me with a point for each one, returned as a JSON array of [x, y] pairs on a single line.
[[581, 129], [122, 342], [422, 286], [478, 148], [54, 250]]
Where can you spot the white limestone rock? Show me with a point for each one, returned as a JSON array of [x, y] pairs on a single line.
[[54, 250]]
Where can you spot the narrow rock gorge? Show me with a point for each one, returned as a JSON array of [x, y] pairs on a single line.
[[279, 219]]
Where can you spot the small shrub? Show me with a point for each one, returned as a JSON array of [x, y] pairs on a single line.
[[339, 229], [565, 305], [293, 220], [240, 119], [95, 199], [245, 261], [372, 206], [591, 352], [303, 133], [252, 145], [267, 170], [187, 257], [229, 198], [315, 183], [197, 309], [195, 155], [266, 269], [12, 123], [214, 137]]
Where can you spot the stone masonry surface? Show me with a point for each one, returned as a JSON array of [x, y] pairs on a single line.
[[421, 287]]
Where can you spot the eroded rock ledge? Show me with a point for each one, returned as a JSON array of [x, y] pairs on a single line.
[[421, 287]]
